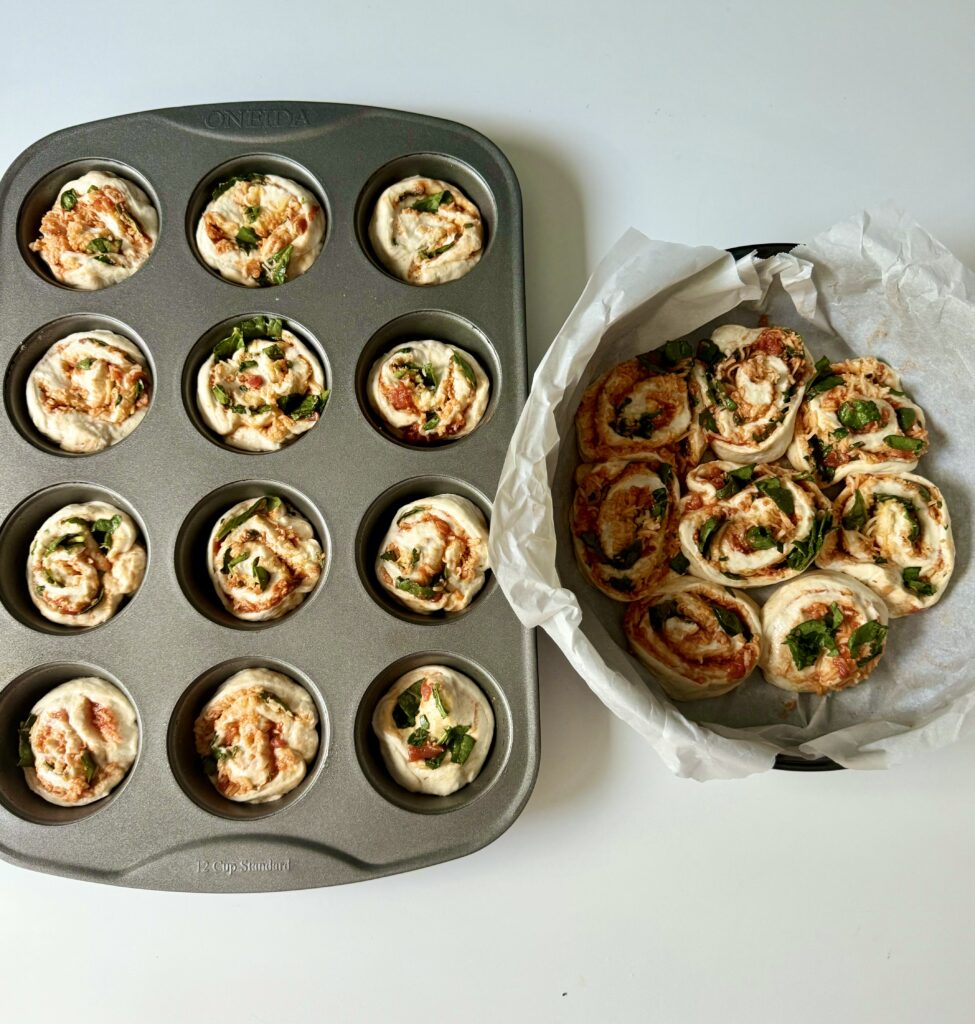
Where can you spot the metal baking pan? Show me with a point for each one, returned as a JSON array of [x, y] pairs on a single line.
[[165, 827]]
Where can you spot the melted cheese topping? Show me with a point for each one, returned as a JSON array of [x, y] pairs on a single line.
[[429, 391], [633, 411], [814, 596], [257, 736], [84, 740], [426, 246], [106, 235], [752, 538], [434, 555], [89, 390], [239, 397], [751, 394], [440, 690], [691, 651], [624, 525], [261, 232], [264, 559], [899, 524], [831, 450], [83, 561]]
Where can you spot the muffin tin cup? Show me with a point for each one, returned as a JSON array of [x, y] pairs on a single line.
[[172, 643]]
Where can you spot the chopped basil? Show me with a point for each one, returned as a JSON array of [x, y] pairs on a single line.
[[735, 480], [838, 435], [430, 254], [414, 557], [261, 327], [430, 422], [229, 563], [86, 364], [803, 552], [659, 499], [300, 407], [261, 574], [226, 348], [25, 755], [247, 238], [899, 443], [819, 453], [431, 203], [624, 559], [416, 589], [268, 503], [429, 374], [223, 186], [274, 352], [905, 418], [103, 245], [465, 368], [911, 578], [858, 413], [661, 612], [439, 702], [389, 556], [68, 199], [220, 395], [102, 530], [460, 743], [708, 352], [871, 634], [730, 621], [761, 538], [412, 511], [706, 533], [924, 492], [275, 268], [89, 766], [824, 379], [436, 762], [69, 541], [641, 426], [621, 583], [273, 698], [856, 518], [679, 563], [707, 421], [772, 487], [809, 638], [909, 510], [247, 364], [407, 705], [676, 351], [420, 734], [252, 213]]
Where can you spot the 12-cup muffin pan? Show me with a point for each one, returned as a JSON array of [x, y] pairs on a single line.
[[172, 644]]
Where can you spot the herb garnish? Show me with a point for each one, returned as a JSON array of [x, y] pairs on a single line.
[[761, 538], [431, 203], [909, 510], [679, 563], [708, 352], [300, 406], [706, 533], [856, 518], [871, 633], [904, 444], [261, 574], [857, 413], [806, 640], [88, 766], [772, 487], [803, 552], [275, 268], [222, 186], [735, 480], [911, 578], [412, 511], [707, 421], [905, 418], [416, 589], [407, 705], [465, 368], [25, 755], [730, 621], [262, 507], [824, 380], [69, 199], [247, 238]]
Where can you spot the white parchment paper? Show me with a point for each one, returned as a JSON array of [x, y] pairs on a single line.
[[876, 284]]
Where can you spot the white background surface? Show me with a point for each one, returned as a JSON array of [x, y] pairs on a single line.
[[621, 893]]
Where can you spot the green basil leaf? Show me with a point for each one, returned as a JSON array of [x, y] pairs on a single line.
[[621, 583], [439, 702], [69, 199], [910, 511], [226, 348], [25, 754], [772, 487], [247, 239], [431, 421], [679, 563], [430, 254], [416, 589], [911, 578], [899, 443], [661, 612], [871, 634], [102, 530], [706, 533], [86, 364], [261, 574], [420, 734], [223, 186], [407, 705], [412, 511], [389, 556], [659, 499], [761, 538], [263, 506], [824, 380], [735, 480], [461, 746], [252, 213], [819, 452], [275, 269], [220, 395], [104, 245], [89, 766], [299, 406], [274, 352], [858, 413], [857, 517], [905, 418], [708, 352], [729, 621], [229, 563], [431, 203], [803, 552], [465, 368], [707, 421]]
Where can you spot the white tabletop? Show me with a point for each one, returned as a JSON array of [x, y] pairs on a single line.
[[621, 893]]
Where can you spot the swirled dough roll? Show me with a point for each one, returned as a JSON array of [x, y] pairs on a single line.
[[895, 536], [434, 728], [100, 230], [83, 561], [434, 556], [78, 742], [429, 391], [624, 525], [264, 558], [750, 526], [748, 385], [89, 390], [637, 408], [823, 632], [426, 231], [698, 639], [257, 735], [260, 229], [855, 418], [261, 387]]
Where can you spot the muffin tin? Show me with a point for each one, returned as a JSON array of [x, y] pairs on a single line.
[[172, 644]]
